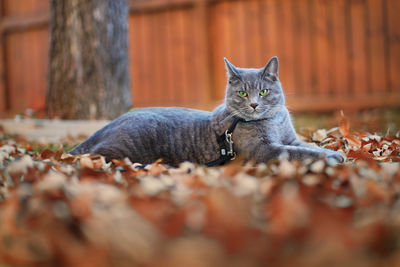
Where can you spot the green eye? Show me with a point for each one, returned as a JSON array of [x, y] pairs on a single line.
[[243, 93], [264, 92]]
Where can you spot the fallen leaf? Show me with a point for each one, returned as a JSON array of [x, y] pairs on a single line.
[[344, 124]]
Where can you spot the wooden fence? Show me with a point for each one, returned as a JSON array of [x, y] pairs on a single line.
[[333, 53]]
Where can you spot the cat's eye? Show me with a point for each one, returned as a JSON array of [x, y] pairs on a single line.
[[243, 93], [264, 92]]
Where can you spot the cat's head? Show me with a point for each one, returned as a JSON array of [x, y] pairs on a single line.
[[254, 93]]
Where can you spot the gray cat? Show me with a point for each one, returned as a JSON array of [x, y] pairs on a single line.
[[253, 123]]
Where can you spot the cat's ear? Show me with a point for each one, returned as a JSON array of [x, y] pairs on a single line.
[[233, 73], [271, 69]]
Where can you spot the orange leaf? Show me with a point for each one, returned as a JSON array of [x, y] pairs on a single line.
[[344, 124], [362, 155], [59, 153], [353, 141]]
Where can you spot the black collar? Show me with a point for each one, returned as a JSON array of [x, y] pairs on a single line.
[[225, 142]]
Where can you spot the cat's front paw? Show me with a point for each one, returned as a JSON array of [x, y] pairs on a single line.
[[335, 157]]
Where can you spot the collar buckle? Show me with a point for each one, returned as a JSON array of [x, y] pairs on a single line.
[[229, 140]]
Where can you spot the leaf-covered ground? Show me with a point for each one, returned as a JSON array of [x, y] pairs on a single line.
[[62, 210]]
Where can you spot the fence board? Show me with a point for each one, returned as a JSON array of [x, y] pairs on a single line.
[[39, 47], [219, 21], [179, 71], [269, 28], [358, 23], [134, 48], [157, 91], [251, 30], [170, 57], [135, 53], [201, 48], [238, 25], [323, 59], [340, 62], [287, 69], [185, 58], [14, 48], [167, 64], [303, 56], [277, 40], [3, 95], [376, 46], [237, 40], [27, 91], [393, 11], [147, 54]]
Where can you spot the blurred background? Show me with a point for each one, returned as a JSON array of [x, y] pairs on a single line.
[[334, 54]]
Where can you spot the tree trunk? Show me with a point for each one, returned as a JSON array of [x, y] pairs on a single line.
[[89, 62]]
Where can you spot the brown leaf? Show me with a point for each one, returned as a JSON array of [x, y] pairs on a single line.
[[344, 124], [364, 156], [359, 154], [157, 168], [86, 162], [97, 161], [59, 153], [354, 142], [47, 154]]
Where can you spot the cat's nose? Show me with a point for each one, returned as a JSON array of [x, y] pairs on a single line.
[[254, 105]]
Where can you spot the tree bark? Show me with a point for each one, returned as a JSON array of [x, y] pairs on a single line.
[[89, 62]]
